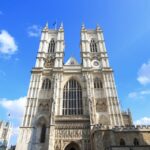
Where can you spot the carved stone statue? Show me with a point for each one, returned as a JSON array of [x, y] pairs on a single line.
[[49, 62]]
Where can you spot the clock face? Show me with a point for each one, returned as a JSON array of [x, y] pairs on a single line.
[[96, 63]]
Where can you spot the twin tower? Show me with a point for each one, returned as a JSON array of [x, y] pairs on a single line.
[[66, 101]]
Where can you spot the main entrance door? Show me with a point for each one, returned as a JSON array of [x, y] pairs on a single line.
[[72, 146]]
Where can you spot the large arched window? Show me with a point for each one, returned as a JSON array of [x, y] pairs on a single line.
[[72, 98], [93, 46], [98, 83], [43, 134], [46, 85], [136, 142], [122, 142], [51, 48]]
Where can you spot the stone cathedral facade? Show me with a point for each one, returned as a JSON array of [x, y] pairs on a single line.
[[72, 106]]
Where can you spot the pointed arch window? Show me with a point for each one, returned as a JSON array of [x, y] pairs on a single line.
[[135, 142], [51, 48], [46, 85], [98, 83], [122, 142], [72, 98], [93, 46], [43, 134]]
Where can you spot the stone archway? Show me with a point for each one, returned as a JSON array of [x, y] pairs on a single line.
[[72, 146]]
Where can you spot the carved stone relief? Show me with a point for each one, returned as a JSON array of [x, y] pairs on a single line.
[[91, 110], [43, 107], [101, 105], [57, 144], [49, 62], [72, 133], [103, 120]]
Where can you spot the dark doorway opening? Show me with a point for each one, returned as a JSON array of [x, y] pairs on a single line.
[[72, 146]]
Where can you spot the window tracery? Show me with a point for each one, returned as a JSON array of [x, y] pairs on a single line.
[[136, 142], [46, 84], [98, 83], [72, 98], [93, 46], [43, 134], [122, 142], [51, 48]]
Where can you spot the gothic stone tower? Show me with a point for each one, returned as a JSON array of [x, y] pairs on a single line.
[[65, 101]]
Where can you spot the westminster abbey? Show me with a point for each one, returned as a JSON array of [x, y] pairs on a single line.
[[72, 106]]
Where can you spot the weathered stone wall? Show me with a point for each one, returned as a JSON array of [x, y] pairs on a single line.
[[104, 137], [126, 119], [131, 148]]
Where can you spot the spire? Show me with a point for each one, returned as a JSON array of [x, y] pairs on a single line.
[[46, 26], [61, 26], [83, 26], [97, 27]]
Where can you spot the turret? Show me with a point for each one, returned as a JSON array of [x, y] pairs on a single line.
[[51, 48]]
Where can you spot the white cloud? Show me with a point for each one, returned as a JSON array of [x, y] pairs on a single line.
[[144, 73], [143, 121], [132, 95], [14, 107], [7, 43], [2, 73], [145, 92], [16, 59], [34, 31], [138, 94]]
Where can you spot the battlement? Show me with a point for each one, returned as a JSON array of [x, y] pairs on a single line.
[[121, 128]]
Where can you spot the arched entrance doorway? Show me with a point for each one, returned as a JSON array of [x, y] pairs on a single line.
[[72, 146]]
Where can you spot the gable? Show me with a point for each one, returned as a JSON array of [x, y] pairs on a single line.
[[72, 61]]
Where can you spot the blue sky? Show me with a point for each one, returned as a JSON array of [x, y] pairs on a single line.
[[126, 26]]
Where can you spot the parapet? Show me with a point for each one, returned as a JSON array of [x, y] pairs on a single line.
[[121, 128]]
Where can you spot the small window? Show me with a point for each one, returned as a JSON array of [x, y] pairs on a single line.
[[46, 84], [136, 142], [98, 84], [93, 46], [43, 134], [122, 142], [51, 48]]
